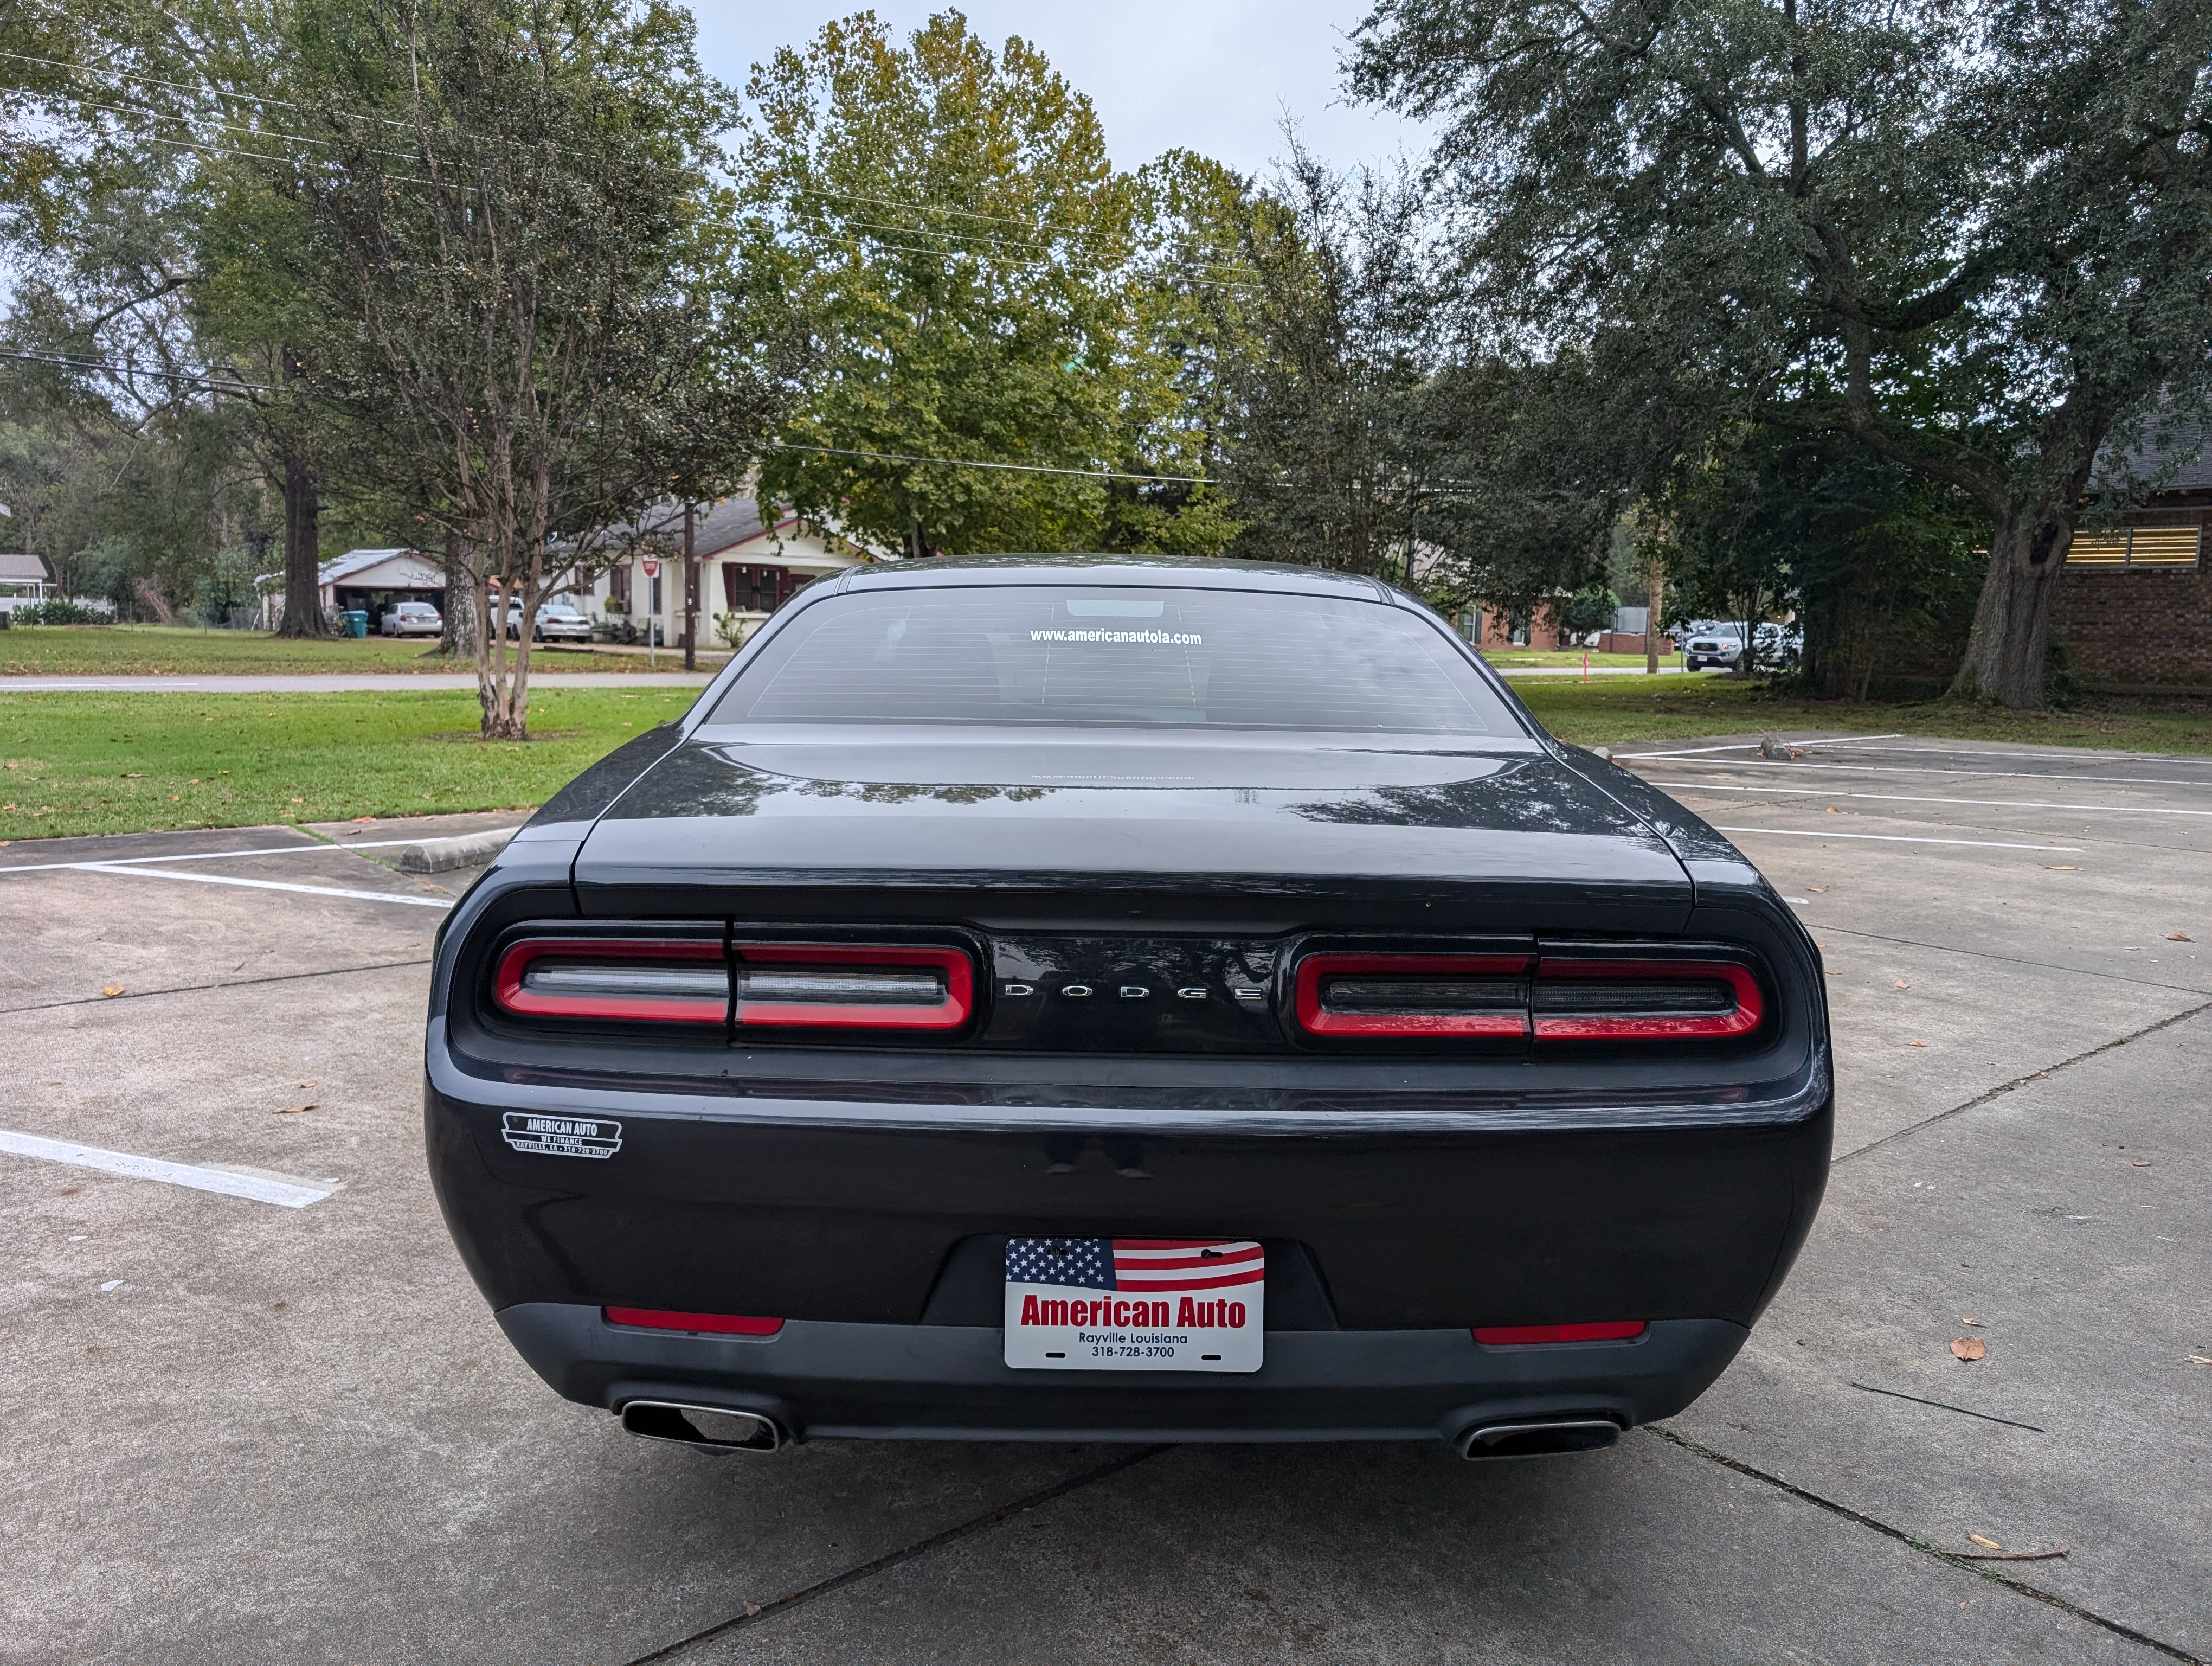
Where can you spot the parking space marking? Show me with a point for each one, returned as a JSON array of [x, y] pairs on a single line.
[[1752, 746], [1908, 769], [1910, 797], [266, 884], [1897, 838], [216, 855], [284, 1194]]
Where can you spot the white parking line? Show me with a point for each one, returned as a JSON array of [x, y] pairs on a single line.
[[284, 1194], [267, 885], [210, 855], [1749, 746], [1897, 838], [1909, 798], [1908, 769]]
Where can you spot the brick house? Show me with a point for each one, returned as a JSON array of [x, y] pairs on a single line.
[[2134, 605]]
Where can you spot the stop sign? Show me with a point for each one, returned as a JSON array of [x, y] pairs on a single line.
[[651, 568]]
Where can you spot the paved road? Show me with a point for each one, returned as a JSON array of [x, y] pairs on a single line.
[[242, 1431], [413, 680], [400, 682]]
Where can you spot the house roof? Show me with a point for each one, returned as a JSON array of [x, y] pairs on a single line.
[[16, 565], [354, 560], [2174, 453], [716, 528]]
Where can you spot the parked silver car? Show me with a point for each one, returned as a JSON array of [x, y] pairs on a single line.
[[412, 619], [556, 622]]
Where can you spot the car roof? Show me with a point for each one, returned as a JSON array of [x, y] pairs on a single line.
[[1175, 572]]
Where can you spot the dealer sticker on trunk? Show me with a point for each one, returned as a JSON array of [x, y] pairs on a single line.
[[1135, 1304], [561, 1136]]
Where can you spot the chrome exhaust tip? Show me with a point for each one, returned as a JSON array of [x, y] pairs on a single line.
[[707, 1428], [1544, 1439]]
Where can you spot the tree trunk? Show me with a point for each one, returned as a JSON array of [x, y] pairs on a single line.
[[691, 592], [303, 595], [457, 637], [2011, 620], [1655, 599]]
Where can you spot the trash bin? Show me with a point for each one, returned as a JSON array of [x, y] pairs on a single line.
[[357, 620]]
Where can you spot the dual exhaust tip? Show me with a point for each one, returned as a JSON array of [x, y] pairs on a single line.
[[1547, 1439], [704, 1428], [721, 1429]]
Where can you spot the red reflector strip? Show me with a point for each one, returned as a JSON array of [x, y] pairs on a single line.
[[1750, 1006], [1316, 1019], [508, 981], [949, 1013], [1605, 1331], [720, 1324]]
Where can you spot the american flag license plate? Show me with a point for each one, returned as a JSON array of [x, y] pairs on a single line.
[[1135, 1304]]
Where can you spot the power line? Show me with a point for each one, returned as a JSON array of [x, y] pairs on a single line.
[[223, 385], [977, 463]]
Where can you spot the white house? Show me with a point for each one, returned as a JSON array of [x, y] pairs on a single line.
[[369, 580], [748, 568], [22, 579]]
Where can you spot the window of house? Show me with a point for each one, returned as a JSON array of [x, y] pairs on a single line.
[[2137, 546]]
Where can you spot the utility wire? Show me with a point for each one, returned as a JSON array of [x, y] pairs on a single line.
[[221, 384], [975, 463]]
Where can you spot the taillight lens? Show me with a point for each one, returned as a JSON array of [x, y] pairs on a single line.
[[656, 980], [854, 986], [1644, 1000], [1603, 1330], [719, 1324], [1414, 994]]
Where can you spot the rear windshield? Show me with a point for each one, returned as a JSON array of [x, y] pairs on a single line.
[[1070, 655]]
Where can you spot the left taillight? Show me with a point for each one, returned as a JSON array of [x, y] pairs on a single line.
[[636, 980]]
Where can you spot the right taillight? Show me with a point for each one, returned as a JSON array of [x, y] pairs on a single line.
[[1414, 994], [1620, 1000]]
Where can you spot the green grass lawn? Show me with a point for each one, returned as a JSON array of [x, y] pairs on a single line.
[[1622, 708], [141, 763], [174, 651], [91, 763]]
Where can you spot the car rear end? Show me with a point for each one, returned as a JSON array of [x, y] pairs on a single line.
[[777, 1086]]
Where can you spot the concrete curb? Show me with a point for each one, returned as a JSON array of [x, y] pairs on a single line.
[[437, 855]]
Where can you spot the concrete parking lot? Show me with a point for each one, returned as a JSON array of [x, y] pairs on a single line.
[[244, 1430]]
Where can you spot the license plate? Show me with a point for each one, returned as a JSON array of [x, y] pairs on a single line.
[[1135, 1304]]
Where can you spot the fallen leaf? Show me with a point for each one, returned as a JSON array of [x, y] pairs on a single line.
[[1833, 810], [291, 1109], [2179, 936], [111, 990], [128, 774], [364, 818], [2055, 867], [1967, 1347], [1816, 887], [1986, 1544], [1916, 1044], [1901, 984], [2199, 1359], [306, 1085], [2142, 1166], [751, 1609], [1964, 1320]]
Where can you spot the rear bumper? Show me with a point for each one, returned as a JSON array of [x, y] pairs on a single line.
[[818, 1378]]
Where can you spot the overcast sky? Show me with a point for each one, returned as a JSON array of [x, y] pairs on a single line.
[[1212, 76]]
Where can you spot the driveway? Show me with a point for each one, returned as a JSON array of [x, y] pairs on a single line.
[[257, 1412]]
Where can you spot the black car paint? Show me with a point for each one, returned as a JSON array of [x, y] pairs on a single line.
[[838, 1187]]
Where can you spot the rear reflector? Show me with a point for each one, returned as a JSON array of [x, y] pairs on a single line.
[[1414, 994], [660, 981], [1605, 1331], [1644, 999], [720, 1324], [854, 986]]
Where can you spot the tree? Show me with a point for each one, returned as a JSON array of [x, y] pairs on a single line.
[[946, 221], [520, 248], [1976, 241]]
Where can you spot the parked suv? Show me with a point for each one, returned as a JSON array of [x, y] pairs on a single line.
[[1708, 644]]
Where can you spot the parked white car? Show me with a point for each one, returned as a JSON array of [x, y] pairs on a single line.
[[412, 619]]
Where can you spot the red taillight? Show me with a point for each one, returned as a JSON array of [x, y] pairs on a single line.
[[1414, 994], [854, 986], [1604, 1331], [659, 980], [1644, 1000], [720, 1325]]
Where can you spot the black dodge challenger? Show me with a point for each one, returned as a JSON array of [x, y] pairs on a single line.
[[1116, 999]]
